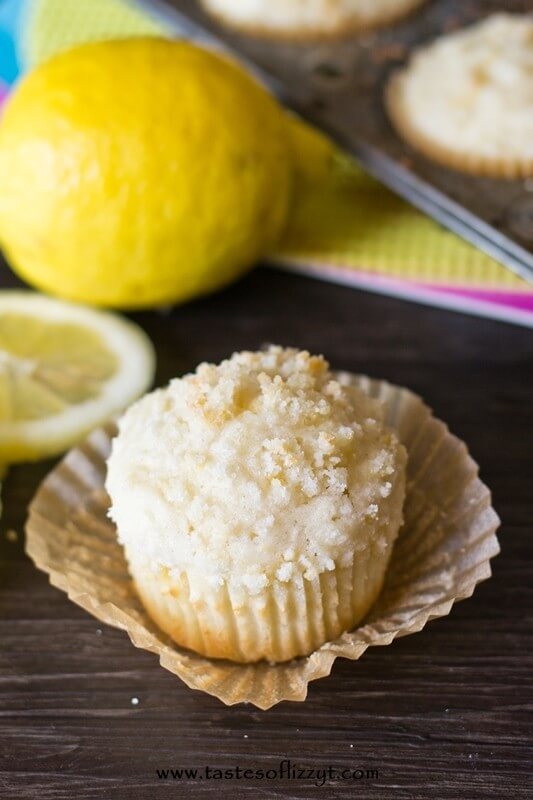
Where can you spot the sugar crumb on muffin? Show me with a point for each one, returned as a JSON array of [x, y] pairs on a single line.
[[238, 488], [466, 99], [305, 19]]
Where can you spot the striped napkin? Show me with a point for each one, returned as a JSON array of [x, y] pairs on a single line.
[[345, 227]]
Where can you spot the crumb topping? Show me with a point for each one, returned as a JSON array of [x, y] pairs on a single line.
[[303, 16], [472, 90], [263, 467]]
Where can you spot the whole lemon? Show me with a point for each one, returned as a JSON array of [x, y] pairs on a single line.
[[140, 172]]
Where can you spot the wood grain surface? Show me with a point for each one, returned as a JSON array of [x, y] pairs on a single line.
[[441, 714]]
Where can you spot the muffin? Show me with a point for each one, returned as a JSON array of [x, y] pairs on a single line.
[[257, 502], [302, 19], [466, 100]]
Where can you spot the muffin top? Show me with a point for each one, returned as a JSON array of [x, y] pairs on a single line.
[[263, 467], [472, 90], [303, 17]]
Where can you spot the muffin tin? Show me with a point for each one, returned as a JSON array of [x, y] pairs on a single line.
[[338, 85]]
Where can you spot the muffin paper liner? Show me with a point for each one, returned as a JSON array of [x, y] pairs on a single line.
[[221, 626], [443, 550]]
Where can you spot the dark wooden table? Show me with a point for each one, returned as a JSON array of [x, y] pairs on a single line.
[[441, 714]]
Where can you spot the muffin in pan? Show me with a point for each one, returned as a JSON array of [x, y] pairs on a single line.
[[308, 19], [466, 100], [258, 502]]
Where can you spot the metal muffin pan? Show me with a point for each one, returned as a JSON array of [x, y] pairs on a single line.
[[339, 85]]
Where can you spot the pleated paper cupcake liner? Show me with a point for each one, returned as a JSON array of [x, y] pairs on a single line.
[[442, 553], [284, 620]]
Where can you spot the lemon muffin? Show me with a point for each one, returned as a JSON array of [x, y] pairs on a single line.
[[257, 501], [466, 100], [308, 18]]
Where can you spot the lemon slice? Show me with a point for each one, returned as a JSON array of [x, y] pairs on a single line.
[[64, 369]]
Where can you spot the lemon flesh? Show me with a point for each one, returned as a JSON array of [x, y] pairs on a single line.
[[63, 370], [140, 172]]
